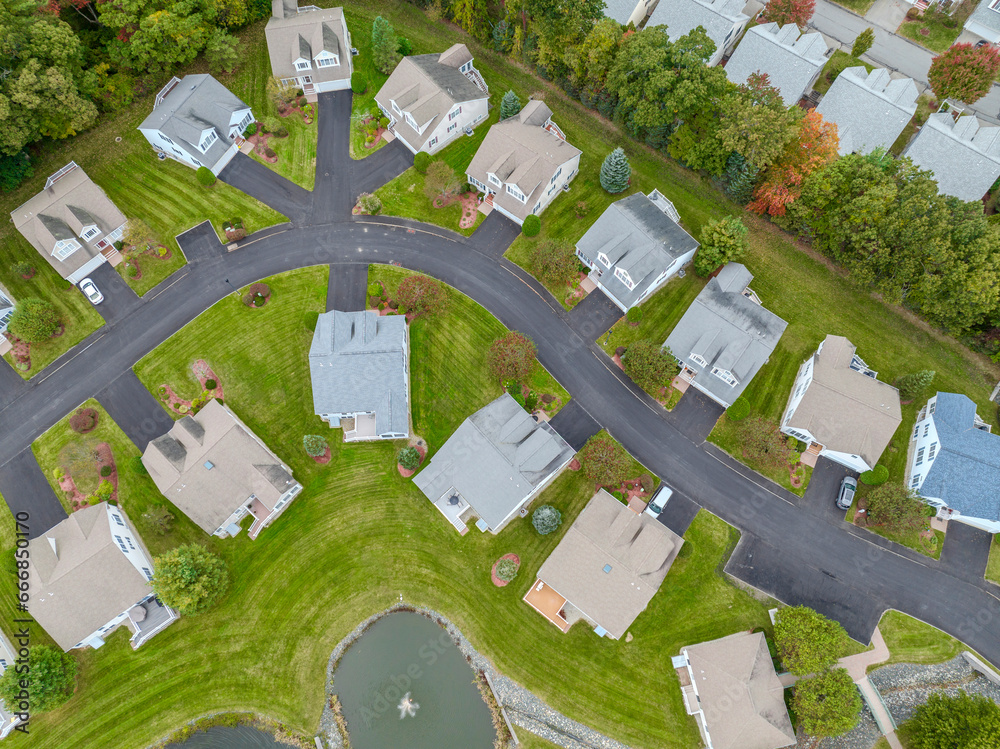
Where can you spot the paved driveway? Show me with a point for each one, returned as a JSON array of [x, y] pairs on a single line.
[[348, 287], [135, 410], [11, 384], [332, 195], [268, 187], [119, 299], [966, 551], [593, 316], [26, 490], [495, 235], [575, 425], [678, 513], [695, 415], [371, 172], [821, 495]]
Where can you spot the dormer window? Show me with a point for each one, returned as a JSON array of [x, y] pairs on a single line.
[[327, 60], [516, 192], [726, 376], [89, 232], [495, 180], [64, 248], [623, 276], [699, 360], [302, 65], [395, 108], [410, 121], [468, 66], [604, 259], [208, 140]]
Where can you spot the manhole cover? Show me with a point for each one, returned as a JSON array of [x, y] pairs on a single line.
[[118, 139]]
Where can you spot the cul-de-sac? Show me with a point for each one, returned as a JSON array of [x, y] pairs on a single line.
[[474, 374]]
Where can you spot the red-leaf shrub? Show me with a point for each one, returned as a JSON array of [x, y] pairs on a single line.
[[964, 72], [511, 357], [83, 421], [421, 295], [260, 288], [789, 11]]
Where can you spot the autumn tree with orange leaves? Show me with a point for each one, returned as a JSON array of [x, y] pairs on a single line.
[[815, 146]]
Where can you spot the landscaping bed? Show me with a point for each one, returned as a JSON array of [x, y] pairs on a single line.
[[920, 538], [151, 267], [726, 436], [935, 30]]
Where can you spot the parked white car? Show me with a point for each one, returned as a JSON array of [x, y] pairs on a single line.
[[90, 290], [659, 500]]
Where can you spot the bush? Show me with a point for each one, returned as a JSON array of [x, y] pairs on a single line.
[[896, 506], [137, 466], [646, 481], [722, 241], [531, 226], [961, 721], [828, 704], [315, 445], [132, 269], [912, 14], [103, 493], [189, 578], [620, 351], [511, 357], [421, 161], [375, 288], [739, 410], [210, 384], [604, 461], [58, 472], [359, 84], [269, 153], [634, 315], [50, 681], [260, 289], [374, 301], [369, 204], [531, 401], [270, 124], [303, 101], [875, 477], [248, 299], [762, 443], [421, 295], [616, 172], [105, 471], [582, 209], [506, 570], [83, 420], [409, 458], [383, 123], [807, 641], [248, 133], [34, 320], [546, 519], [159, 518], [281, 131], [205, 176], [23, 269]]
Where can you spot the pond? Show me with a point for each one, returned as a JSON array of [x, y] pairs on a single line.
[[405, 683], [224, 737]]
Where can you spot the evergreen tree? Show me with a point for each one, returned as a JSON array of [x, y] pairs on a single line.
[[503, 36], [741, 179], [912, 385], [615, 172], [385, 45], [863, 42], [509, 105]]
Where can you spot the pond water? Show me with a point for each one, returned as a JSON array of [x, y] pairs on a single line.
[[224, 737], [407, 653]]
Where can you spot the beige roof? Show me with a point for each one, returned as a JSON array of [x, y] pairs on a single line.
[[210, 464], [741, 697], [306, 34], [86, 581], [845, 410], [638, 549], [60, 211], [522, 151]]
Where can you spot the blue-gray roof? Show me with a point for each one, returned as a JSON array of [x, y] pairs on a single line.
[[870, 110], [717, 17], [358, 363], [963, 154], [986, 16], [965, 475], [791, 62]]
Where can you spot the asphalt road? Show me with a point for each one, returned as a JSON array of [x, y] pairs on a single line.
[[842, 571]]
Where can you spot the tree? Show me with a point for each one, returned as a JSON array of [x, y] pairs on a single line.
[[740, 178], [789, 11], [531, 226], [828, 704], [965, 721], [615, 172], [422, 161], [315, 445], [441, 181], [34, 320], [649, 366], [807, 641], [554, 262], [591, 61], [964, 72], [14, 170], [506, 570], [473, 17], [863, 42], [722, 241], [50, 681], [509, 105], [912, 385], [421, 295], [896, 506], [385, 45], [546, 519], [189, 578], [755, 123], [138, 234], [409, 458], [204, 176], [221, 51], [511, 357], [159, 519], [763, 445], [604, 461]]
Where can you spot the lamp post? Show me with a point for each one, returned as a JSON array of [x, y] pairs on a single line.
[[235, 291]]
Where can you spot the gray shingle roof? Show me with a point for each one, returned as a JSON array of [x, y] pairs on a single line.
[[306, 34], [358, 363], [717, 17], [638, 237], [963, 154], [870, 110], [986, 16], [965, 475], [790, 61], [728, 330], [495, 460], [620, 10]]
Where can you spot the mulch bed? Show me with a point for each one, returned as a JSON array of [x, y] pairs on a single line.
[[77, 499], [493, 572], [259, 144], [29, 276], [574, 465], [94, 414], [21, 350], [203, 371], [132, 262], [407, 472], [324, 458], [630, 488]]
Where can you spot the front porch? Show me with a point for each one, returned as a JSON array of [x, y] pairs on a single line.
[[811, 455]]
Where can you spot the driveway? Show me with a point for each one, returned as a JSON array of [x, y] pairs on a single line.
[[695, 415], [119, 299], [966, 551], [678, 513], [347, 290], [200, 243], [495, 235], [821, 495], [11, 384], [332, 196], [26, 490], [371, 172], [593, 316], [135, 410], [574, 425], [269, 187]]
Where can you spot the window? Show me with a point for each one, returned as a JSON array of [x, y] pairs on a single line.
[[166, 139], [148, 573], [467, 67], [128, 540], [699, 360], [121, 544], [494, 179], [432, 142], [208, 140], [246, 121], [916, 481], [556, 175], [302, 65], [726, 376], [930, 407], [916, 431], [395, 108], [920, 456], [65, 247], [452, 127], [453, 115], [927, 428], [605, 260], [118, 518], [327, 62], [932, 451], [89, 233], [623, 276], [537, 207]]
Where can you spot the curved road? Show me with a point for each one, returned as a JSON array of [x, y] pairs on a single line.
[[790, 548]]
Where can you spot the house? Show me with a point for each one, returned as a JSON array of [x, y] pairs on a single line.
[[628, 11], [8, 720], [197, 121], [963, 154], [954, 462], [359, 364], [496, 462], [870, 110], [89, 575], [606, 569], [216, 471], [985, 21], [432, 99], [792, 62], [524, 162], [730, 686], [6, 313], [72, 223], [723, 21], [310, 47], [725, 336], [839, 407], [640, 237]]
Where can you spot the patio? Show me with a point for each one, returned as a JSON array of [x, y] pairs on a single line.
[[452, 505]]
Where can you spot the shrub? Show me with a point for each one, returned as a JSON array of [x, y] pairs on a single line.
[[615, 172], [383, 123], [159, 519], [34, 320], [105, 471], [531, 226], [863, 41], [269, 153], [441, 181], [281, 131], [58, 472], [506, 570], [509, 105], [359, 84], [248, 299], [511, 357], [421, 295], [189, 578], [260, 289], [259, 300], [137, 466], [375, 288], [531, 401], [546, 519], [83, 420], [315, 445], [515, 391], [875, 477], [210, 384], [739, 410], [303, 101], [205, 176], [649, 365], [961, 721], [50, 681], [582, 209], [620, 351], [912, 14], [421, 161], [634, 315], [248, 133], [828, 704], [132, 269], [912, 385], [807, 641], [369, 204], [964, 72], [604, 461], [646, 481], [103, 493], [23, 269], [409, 458]]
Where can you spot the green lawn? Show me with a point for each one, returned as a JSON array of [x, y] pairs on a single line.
[[858, 6], [357, 538], [909, 537], [660, 314], [919, 118], [993, 568], [942, 29], [364, 104], [912, 641], [154, 270], [726, 436], [838, 62]]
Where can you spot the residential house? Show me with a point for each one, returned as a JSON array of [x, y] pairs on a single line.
[[985, 21], [524, 162], [963, 154], [954, 462], [72, 223], [731, 688], [216, 471], [725, 336], [496, 462], [197, 121], [839, 407], [606, 569], [723, 21], [628, 11], [89, 575], [8, 720], [870, 110], [634, 248], [359, 364], [432, 99], [309, 47], [792, 62], [6, 312]]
